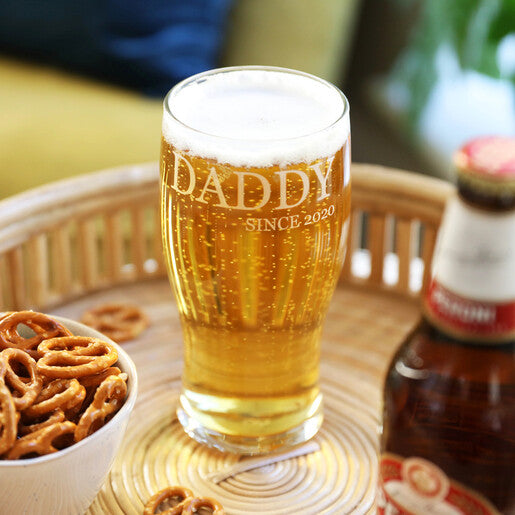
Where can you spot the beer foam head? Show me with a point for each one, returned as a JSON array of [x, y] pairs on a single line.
[[256, 117]]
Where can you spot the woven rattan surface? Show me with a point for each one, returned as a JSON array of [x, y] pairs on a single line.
[[361, 332], [78, 243]]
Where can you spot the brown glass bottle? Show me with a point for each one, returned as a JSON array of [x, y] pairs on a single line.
[[448, 435]]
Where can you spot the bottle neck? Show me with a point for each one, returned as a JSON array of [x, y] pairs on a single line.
[[471, 295], [497, 200]]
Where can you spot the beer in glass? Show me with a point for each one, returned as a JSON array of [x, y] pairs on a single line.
[[255, 204]]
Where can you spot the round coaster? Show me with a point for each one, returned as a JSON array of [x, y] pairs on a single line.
[[338, 478]]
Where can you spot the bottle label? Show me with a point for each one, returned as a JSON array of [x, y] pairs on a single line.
[[472, 292], [469, 318], [415, 486]]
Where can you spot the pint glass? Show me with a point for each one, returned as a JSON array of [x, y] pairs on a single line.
[[255, 202]]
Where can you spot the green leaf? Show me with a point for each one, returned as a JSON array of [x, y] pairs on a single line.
[[473, 28]]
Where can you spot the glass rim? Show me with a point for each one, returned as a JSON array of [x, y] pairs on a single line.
[[277, 69]]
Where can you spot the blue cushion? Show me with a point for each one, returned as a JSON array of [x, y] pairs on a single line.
[[144, 44]]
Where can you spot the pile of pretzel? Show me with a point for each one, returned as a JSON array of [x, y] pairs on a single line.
[[55, 388]]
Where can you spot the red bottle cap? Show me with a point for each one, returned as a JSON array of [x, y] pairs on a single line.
[[487, 164]]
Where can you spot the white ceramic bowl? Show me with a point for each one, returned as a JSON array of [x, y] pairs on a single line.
[[66, 482]]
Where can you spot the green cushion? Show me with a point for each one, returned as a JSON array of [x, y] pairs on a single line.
[[54, 125]]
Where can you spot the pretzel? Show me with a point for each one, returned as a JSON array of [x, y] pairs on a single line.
[[91, 384], [53, 417], [75, 356], [44, 327], [40, 442], [184, 495], [109, 397], [204, 502], [60, 393], [120, 322], [40, 382], [24, 391], [94, 380], [8, 415]]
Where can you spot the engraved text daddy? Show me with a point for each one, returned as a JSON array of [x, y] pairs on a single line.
[[292, 185]]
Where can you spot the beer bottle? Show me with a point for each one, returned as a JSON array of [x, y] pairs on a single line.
[[448, 433]]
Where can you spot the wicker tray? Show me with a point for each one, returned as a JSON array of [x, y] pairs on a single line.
[[77, 243]]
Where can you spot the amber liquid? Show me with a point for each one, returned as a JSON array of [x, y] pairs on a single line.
[[252, 286], [453, 404]]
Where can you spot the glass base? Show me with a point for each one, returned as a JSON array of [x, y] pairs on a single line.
[[214, 435]]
